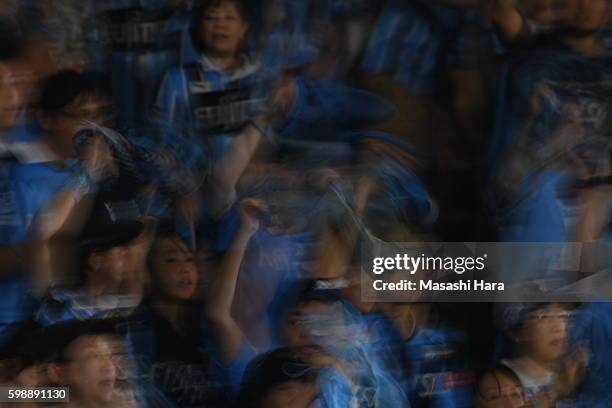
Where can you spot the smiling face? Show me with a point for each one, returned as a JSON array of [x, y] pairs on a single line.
[[223, 29], [173, 269]]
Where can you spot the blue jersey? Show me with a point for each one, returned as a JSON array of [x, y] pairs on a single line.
[[535, 211], [436, 381], [62, 305], [405, 43], [31, 188], [199, 107], [146, 39]]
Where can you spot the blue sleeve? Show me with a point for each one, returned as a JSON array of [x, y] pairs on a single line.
[[171, 104], [231, 374]]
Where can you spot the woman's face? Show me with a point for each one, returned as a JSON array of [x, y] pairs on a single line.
[[222, 29], [173, 269], [499, 390]]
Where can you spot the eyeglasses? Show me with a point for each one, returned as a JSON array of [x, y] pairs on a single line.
[[547, 316]]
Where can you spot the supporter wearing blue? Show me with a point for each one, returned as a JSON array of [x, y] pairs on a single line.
[[330, 334], [283, 378], [531, 205], [590, 336], [102, 285], [432, 354], [191, 97], [48, 171], [405, 44]]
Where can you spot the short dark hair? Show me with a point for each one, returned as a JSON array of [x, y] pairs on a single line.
[[270, 370], [203, 6], [12, 40], [60, 336], [64, 87]]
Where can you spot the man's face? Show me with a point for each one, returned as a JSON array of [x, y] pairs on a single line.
[[550, 11], [112, 263], [91, 372], [64, 124], [544, 333], [174, 269], [222, 29], [591, 15], [498, 390]]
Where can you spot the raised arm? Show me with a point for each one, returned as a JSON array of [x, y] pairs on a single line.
[[221, 292]]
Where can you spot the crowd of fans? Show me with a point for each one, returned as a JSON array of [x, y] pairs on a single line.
[[186, 188]]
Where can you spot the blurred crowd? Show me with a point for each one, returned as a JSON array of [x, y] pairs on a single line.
[[186, 189]]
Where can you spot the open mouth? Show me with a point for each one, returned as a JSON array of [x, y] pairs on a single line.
[[557, 343], [185, 284], [221, 37]]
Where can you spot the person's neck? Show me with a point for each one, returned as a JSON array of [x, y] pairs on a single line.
[[76, 402], [59, 155], [225, 62], [166, 308], [536, 369], [588, 45], [97, 287]]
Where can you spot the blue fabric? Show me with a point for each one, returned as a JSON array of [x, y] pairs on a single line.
[[405, 43], [174, 110], [34, 186], [146, 41], [16, 302], [536, 214], [325, 109], [593, 329], [427, 353]]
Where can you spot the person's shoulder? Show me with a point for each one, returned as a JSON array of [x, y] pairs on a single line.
[[176, 71]]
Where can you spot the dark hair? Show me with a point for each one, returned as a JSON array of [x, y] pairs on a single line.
[[270, 370], [202, 7], [63, 88], [22, 347], [499, 368], [12, 40], [164, 230], [60, 336]]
